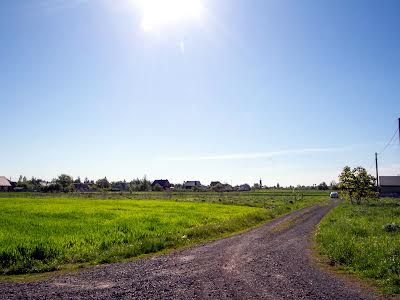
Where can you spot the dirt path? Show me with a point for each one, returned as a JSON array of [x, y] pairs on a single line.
[[270, 262]]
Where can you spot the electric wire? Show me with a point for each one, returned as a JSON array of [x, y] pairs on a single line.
[[390, 141]]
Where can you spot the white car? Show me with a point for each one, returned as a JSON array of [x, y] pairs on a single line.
[[334, 195]]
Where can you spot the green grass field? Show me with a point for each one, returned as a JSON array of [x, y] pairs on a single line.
[[354, 238], [40, 233]]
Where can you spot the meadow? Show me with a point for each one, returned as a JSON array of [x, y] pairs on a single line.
[[365, 240], [41, 232]]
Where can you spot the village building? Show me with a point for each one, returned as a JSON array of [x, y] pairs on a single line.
[[244, 188], [389, 185], [120, 186], [189, 185], [5, 184], [82, 187], [164, 183]]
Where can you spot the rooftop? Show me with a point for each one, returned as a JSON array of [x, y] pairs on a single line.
[[389, 180], [4, 182]]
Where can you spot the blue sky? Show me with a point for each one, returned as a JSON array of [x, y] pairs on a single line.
[[287, 91]]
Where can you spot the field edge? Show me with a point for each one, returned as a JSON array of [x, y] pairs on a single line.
[[68, 268]]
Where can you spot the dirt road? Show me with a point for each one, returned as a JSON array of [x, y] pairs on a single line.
[[270, 262]]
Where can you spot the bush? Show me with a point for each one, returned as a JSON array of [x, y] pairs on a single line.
[[391, 227]]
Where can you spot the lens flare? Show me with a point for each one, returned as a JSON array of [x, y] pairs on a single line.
[[160, 13]]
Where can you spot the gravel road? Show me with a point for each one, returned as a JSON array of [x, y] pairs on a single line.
[[270, 262]]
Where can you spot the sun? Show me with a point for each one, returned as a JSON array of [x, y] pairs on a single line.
[[159, 13]]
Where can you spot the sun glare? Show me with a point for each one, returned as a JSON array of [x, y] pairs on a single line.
[[159, 13]]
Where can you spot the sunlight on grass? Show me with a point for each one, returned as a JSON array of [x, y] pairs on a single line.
[[354, 236]]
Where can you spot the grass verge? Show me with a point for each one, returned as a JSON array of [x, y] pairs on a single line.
[[362, 240]]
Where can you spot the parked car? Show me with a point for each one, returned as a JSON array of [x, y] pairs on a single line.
[[334, 195]]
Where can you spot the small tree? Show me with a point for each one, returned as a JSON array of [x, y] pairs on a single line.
[[65, 181], [145, 185], [157, 188], [103, 183], [357, 185], [323, 186], [333, 185]]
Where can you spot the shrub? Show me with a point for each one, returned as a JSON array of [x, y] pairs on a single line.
[[391, 227]]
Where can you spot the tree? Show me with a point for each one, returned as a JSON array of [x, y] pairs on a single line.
[[103, 183], [323, 186], [65, 181], [157, 188], [145, 185], [357, 185], [333, 185], [53, 187]]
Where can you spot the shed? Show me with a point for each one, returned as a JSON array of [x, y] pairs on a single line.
[[389, 185]]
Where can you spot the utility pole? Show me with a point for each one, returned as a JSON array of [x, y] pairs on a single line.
[[376, 166], [399, 130]]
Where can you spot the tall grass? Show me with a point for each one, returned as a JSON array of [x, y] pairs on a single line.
[[356, 237], [43, 234]]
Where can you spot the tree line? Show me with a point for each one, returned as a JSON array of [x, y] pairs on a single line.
[[66, 183]]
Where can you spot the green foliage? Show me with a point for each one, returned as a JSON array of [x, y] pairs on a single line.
[[39, 234], [323, 186], [157, 188], [391, 227], [363, 240], [65, 181], [357, 185], [140, 185], [103, 183]]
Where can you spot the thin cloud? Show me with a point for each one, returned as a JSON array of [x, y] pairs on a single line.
[[56, 5], [182, 46], [257, 155]]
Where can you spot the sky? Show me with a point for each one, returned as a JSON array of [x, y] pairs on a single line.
[[231, 90]]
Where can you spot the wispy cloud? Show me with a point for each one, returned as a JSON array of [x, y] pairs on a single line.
[[257, 155], [55, 5], [182, 46]]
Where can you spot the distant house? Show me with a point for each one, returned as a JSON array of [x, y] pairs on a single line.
[[189, 185], [120, 186], [389, 185], [5, 184], [164, 183], [82, 187], [244, 188]]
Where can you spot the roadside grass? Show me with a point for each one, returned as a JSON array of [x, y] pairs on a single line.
[[47, 234], [363, 240]]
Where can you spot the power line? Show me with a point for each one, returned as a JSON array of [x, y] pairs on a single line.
[[390, 141]]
